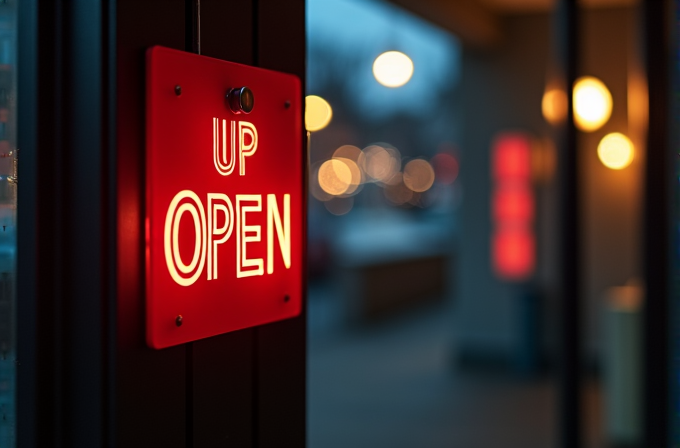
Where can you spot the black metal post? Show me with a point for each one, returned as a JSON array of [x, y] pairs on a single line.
[[193, 26], [657, 204], [65, 264], [570, 337]]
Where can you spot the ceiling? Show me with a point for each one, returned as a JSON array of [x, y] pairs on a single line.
[[515, 6], [477, 22]]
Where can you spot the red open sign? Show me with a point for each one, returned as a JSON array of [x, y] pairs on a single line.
[[225, 198]]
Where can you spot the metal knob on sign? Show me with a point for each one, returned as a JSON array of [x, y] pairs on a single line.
[[241, 100]]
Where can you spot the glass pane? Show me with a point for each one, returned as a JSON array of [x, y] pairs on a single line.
[[8, 186], [413, 340], [401, 357]]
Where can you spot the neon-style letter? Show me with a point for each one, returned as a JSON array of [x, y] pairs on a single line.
[[245, 128], [220, 157], [247, 234], [282, 232], [218, 202], [173, 260]]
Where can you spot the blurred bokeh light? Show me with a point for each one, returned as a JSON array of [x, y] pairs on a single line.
[[396, 192], [513, 254], [355, 174], [554, 105], [592, 103], [513, 204], [512, 201], [511, 160], [543, 161], [418, 175], [615, 151], [318, 113], [380, 163], [348, 152], [393, 69], [339, 206], [335, 177], [445, 168]]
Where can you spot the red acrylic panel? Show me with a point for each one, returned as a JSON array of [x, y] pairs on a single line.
[[224, 198]]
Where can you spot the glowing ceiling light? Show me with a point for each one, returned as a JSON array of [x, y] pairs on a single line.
[[393, 69], [615, 151], [592, 103], [318, 113]]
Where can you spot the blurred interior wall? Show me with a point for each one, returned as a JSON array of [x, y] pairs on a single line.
[[501, 90], [611, 199]]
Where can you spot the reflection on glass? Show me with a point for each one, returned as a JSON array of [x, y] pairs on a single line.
[[8, 185], [318, 113], [377, 248], [615, 151], [418, 175], [393, 69], [592, 103], [554, 105], [335, 177]]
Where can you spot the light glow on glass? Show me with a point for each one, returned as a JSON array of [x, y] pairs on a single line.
[[615, 151], [554, 105], [393, 69], [335, 177], [592, 103], [379, 163], [318, 113], [512, 201], [418, 175]]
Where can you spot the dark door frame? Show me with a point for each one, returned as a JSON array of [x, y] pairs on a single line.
[[85, 375]]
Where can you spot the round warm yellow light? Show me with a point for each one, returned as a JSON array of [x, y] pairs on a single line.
[[393, 69], [355, 178], [554, 105], [418, 175], [592, 103], [348, 152], [335, 177], [615, 151], [318, 113]]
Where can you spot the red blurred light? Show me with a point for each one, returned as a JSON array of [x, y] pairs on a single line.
[[511, 158], [513, 204], [513, 241], [513, 253], [445, 168]]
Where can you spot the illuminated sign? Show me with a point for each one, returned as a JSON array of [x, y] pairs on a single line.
[[513, 240], [225, 197]]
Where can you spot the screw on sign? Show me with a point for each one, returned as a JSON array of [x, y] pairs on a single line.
[[225, 197]]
